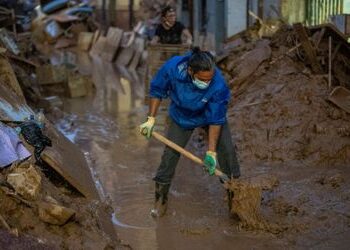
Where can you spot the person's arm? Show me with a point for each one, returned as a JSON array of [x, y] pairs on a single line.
[[187, 36], [158, 90], [213, 134], [153, 106]]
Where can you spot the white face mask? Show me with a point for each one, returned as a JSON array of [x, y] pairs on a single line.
[[200, 84]]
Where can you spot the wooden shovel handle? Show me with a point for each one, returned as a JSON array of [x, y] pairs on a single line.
[[184, 152]]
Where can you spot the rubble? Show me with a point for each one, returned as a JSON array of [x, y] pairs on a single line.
[[279, 101], [26, 181], [54, 214], [25, 79], [283, 114]]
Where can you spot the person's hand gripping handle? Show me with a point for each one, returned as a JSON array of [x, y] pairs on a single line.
[[146, 128], [210, 162]]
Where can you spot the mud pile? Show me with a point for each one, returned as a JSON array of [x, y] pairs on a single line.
[[39, 219], [280, 112], [52, 202], [284, 123]]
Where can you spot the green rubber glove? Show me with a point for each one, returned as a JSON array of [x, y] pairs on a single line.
[[210, 162], [147, 127]]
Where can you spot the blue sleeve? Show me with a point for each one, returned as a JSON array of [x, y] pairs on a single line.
[[160, 84], [217, 106]]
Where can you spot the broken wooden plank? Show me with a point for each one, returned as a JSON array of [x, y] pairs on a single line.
[[285, 54], [124, 56], [85, 40], [8, 77], [98, 47], [320, 36], [139, 46], [8, 42], [70, 163], [340, 96], [308, 47], [113, 40], [336, 51], [21, 59]]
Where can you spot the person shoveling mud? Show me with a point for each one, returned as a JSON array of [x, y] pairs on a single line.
[[199, 97]]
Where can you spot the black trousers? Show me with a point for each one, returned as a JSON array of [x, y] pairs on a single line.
[[226, 153]]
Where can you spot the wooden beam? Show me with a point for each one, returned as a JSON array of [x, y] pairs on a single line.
[[336, 50], [320, 37], [308, 47]]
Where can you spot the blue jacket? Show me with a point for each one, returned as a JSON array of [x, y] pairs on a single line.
[[190, 106]]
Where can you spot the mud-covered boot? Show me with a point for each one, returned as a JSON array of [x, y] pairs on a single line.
[[161, 200]]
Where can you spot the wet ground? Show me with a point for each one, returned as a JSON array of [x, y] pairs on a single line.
[[105, 126]]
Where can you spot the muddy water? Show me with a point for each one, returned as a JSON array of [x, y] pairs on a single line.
[[105, 127]]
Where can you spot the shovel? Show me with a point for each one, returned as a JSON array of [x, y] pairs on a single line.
[[223, 177]]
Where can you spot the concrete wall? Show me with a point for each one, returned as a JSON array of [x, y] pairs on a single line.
[[253, 7], [346, 7], [294, 11], [235, 16], [270, 6], [216, 28]]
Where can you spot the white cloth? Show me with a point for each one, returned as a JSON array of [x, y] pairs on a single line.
[[11, 147]]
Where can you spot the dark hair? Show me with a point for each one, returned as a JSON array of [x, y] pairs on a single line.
[[201, 60], [166, 9]]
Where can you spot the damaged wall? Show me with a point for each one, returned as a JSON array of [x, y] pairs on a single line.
[[236, 16], [293, 11]]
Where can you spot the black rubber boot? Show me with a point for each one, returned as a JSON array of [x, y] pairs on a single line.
[[161, 200]]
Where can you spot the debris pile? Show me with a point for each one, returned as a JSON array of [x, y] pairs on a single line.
[[282, 109], [48, 196], [289, 109], [60, 24]]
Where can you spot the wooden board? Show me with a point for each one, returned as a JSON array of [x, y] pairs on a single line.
[[139, 46], [85, 40], [113, 38], [124, 56], [70, 163], [98, 47], [8, 77], [340, 96]]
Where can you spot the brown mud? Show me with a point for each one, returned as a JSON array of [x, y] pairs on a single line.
[[285, 165], [25, 215]]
